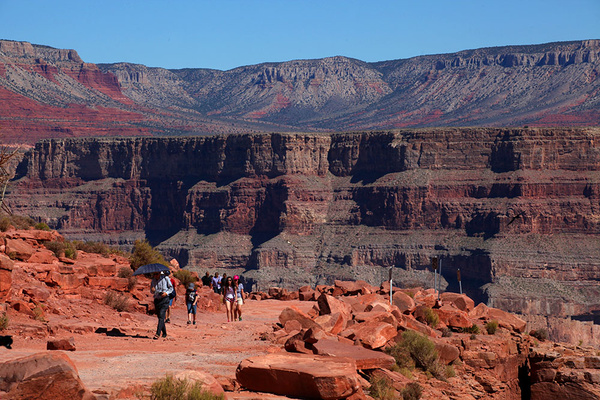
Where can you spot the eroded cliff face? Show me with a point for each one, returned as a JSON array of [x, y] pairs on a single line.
[[516, 210]]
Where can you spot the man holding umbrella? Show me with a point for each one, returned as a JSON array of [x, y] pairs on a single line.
[[161, 287]]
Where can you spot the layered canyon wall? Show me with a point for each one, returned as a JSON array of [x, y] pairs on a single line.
[[516, 210]]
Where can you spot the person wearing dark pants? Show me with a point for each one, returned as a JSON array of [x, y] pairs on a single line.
[[161, 287]]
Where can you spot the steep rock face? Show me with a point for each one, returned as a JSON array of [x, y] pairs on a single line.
[[516, 210]]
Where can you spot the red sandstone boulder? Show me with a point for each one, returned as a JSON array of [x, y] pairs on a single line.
[[333, 323], [43, 256], [44, 376], [453, 317], [22, 307], [306, 293], [364, 358], [6, 267], [20, 249], [294, 313], [351, 288], [409, 322], [61, 344], [398, 380], [404, 302], [461, 301], [108, 282], [505, 319], [300, 375], [330, 305], [372, 334]]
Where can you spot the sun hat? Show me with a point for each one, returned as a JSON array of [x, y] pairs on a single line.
[[191, 286]]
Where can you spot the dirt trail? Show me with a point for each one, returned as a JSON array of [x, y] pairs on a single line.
[[112, 363]]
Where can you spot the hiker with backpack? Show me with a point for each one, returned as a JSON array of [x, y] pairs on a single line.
[[162, 288], [191, 298]]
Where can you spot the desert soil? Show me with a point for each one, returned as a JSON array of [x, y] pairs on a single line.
[[113, 364]]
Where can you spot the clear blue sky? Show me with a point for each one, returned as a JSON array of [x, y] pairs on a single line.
[[225, 34]]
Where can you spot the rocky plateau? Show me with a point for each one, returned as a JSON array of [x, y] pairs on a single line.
[[323, 342]]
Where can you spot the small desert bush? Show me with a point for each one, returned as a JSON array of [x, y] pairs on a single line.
[[170, 388], [412, 391], [60, 249], [417, 350], [125, 272], [118, 302], [3, 322], [473, 329], [185, 277], [431, 317], [540, 334], [446, 332], [450, 373], [97, 248], [381, 388], [17, 221], [143, 253], [402, 356], [491, 326], [42, 226], [38, 313]]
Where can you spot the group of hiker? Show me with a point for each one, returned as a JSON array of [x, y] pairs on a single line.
[[163, 289]]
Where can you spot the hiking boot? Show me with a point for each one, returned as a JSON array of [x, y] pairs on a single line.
[[189, 322], [168, 320]]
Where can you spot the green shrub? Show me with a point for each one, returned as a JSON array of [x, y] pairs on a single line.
[[473, 329], [540, 334], [170, 388], [185, 277], [4, 224], [38, 313], [42, 226], [431, 317], [96, 248], [421, 349], [412, 391], [125, 272], [70, 251], [17, 221], [3, 322], [402, 356], [60, 249], [491, 326], [381, 388], [119, 302], [144, 254], [450, 373]]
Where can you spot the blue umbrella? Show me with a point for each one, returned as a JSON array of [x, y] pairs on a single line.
[[151, 268]]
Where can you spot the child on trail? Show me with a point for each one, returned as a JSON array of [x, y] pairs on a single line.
[[191, 298], [239, 301], [229, 297]]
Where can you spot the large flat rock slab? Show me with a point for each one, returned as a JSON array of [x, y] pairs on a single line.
[[300, 375], [364, 358]]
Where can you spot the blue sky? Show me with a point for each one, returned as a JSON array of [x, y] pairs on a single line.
[[225, 34]]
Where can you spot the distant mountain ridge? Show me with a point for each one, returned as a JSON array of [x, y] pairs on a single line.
[[49, 92]]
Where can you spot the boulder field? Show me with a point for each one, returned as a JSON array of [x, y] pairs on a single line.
[[347, 340]]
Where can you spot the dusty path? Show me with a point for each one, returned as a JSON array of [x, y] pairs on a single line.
[[112, 363]]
